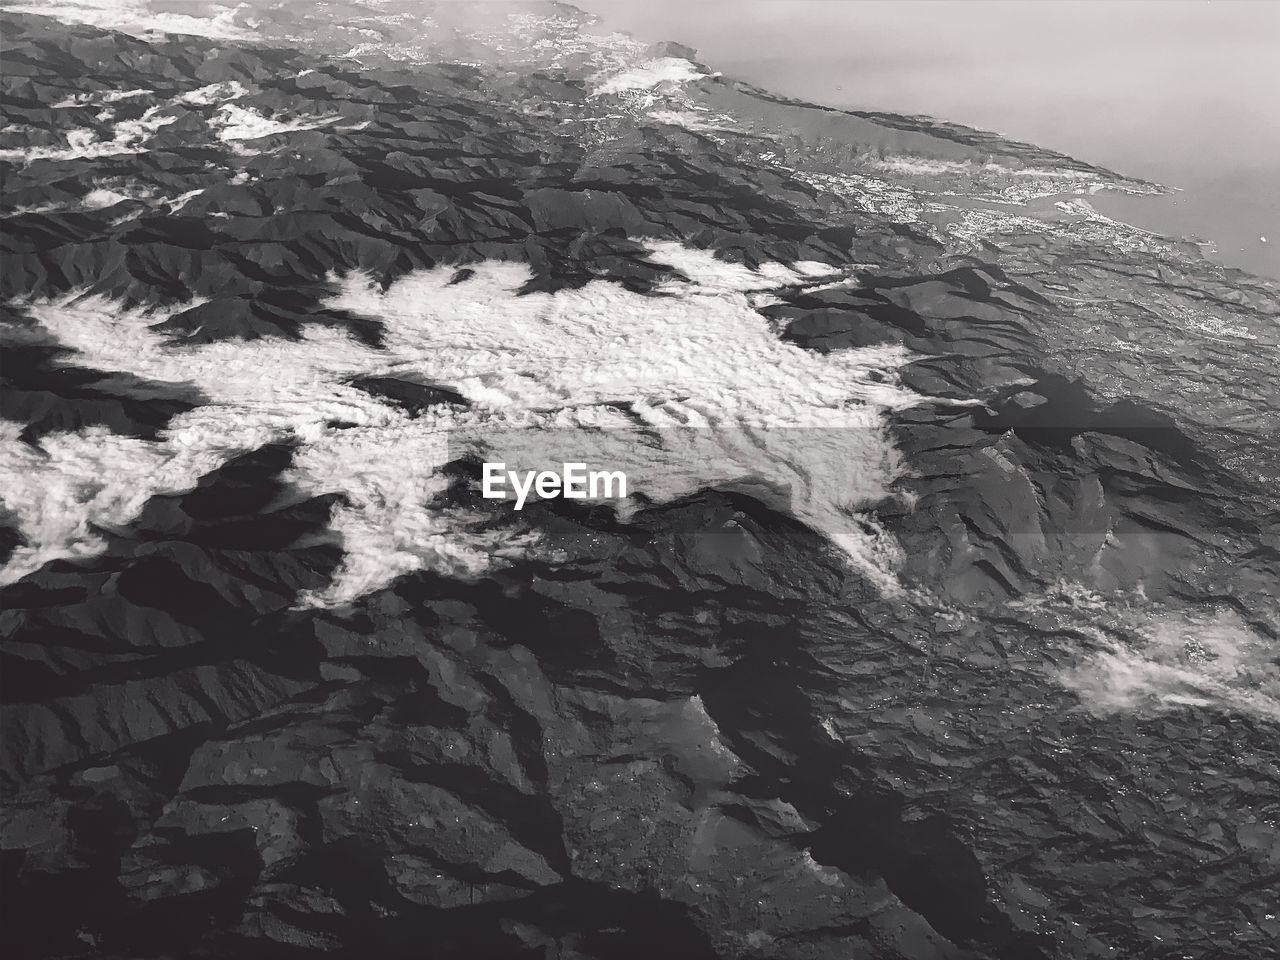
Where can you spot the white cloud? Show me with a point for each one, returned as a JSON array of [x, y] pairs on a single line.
[[699, 121], [1157, 661], [214, 93], [109, 96], [181, 200], [240, 123], [74, 480], [725, 399], [664, 73], [128, 136], [102, 197], [136, 17]]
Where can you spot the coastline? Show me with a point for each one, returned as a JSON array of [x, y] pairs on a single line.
[[1124, 107]]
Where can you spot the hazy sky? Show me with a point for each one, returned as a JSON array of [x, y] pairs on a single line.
[[1187, 93]]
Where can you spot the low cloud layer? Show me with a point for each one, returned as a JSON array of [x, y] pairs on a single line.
[[717, 396]]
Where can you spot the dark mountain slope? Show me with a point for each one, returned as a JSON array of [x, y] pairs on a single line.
[[693, 728]]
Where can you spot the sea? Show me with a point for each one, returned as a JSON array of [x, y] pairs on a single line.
[[1184, 94]]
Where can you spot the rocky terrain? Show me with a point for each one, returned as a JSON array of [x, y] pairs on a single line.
[[942, 623]]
